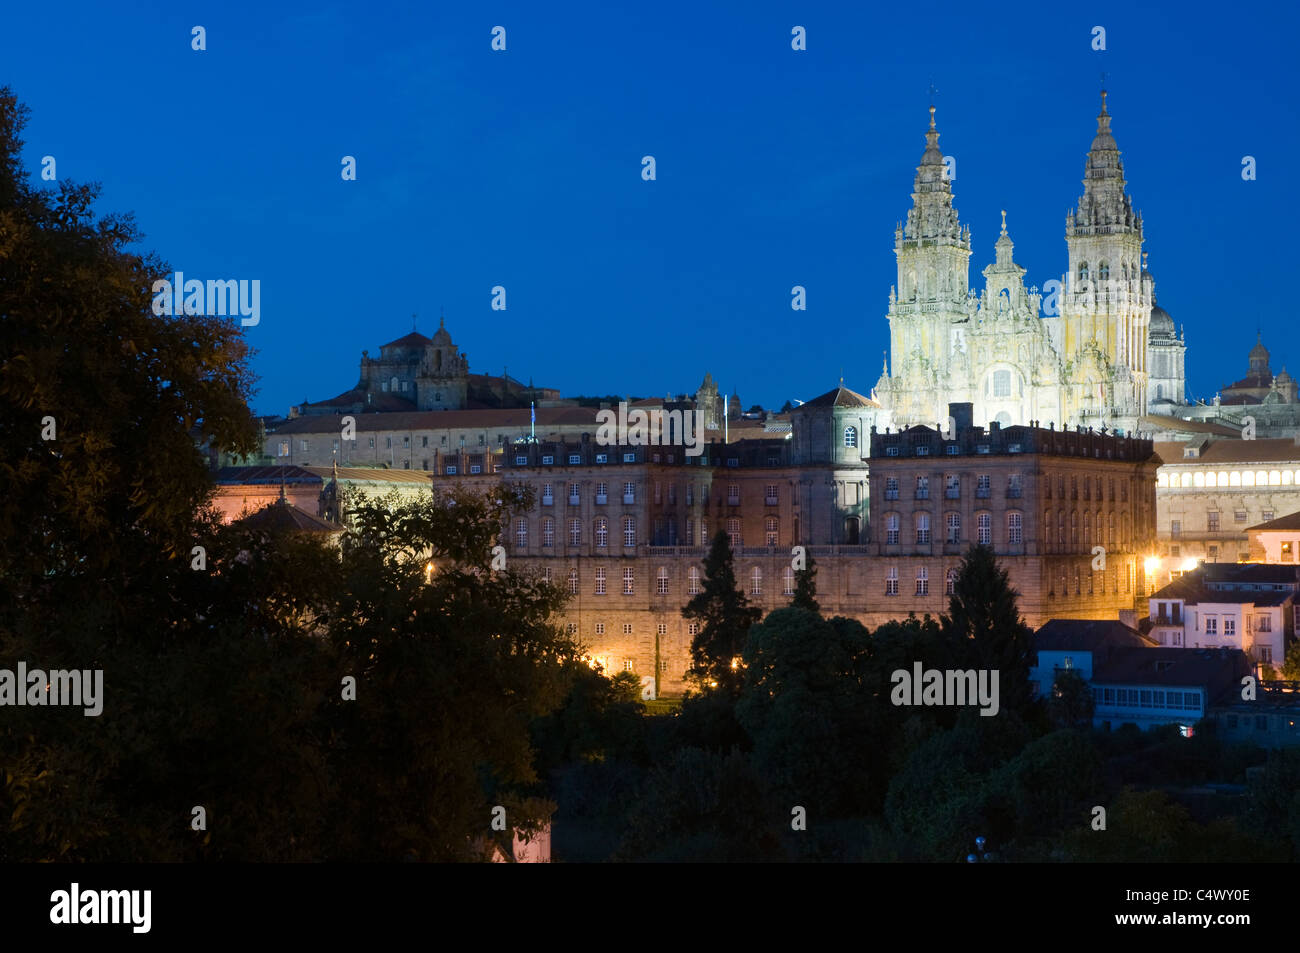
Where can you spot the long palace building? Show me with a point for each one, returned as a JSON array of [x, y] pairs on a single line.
[[624, 529]]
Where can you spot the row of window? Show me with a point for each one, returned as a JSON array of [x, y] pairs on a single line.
[[575, 459], [952, 487], [1093, 487], [922, 581], [574, 493], [1229, 478], [662, 579], [953, 528], [304, 443], [600, 532], [1059, 584], [660, 629], [1214, 523], [1128, 270], [1106, 529], [1147, 698]]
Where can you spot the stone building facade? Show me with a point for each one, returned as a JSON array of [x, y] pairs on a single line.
[[1208, 492], [1084, 362], [1042, 498]]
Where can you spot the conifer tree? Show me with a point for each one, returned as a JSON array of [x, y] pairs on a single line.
[[983, 615], [805, 588], [725, 617]]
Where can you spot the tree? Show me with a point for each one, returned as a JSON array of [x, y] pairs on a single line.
[[1291, 665], [805, 588], [725, 617], [806, 711], [416, 777], [983, 614], [1070, 704]]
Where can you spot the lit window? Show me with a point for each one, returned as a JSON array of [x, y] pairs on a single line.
[[923, 582], [984, 529], [1014, 529], [693, 581], [756, 582], [600, 582], [661, 581], [891, 581], [850, 436], [629, 580]]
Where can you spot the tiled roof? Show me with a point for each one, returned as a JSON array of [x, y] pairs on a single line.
[[515, 419], [414, 339], [1166, 422], [377, 403], [283, 516], [373, 474], [1171, 666], [1271, 450], [248, 476], [1088, 635], [841, 397]]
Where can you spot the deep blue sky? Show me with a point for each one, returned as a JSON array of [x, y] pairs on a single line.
[[775, 168]]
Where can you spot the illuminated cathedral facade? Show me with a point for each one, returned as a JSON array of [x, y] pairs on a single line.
[[1080, 352]]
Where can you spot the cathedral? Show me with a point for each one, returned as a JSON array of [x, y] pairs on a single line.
[[1085, 351]]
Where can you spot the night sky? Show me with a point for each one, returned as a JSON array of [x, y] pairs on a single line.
[[522, 168]]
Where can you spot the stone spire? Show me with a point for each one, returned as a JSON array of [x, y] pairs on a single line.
[[1004, 246], [932, 215], [1104, 204]]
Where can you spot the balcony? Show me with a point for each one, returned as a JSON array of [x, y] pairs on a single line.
[[575, 500], [982, 493], [922, 494], [770, 500], [602, 499], [548, 500], [1013, 493], [952, 494], [629, 498], [891, 494]]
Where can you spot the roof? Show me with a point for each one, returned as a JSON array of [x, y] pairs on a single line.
[[840, 397], [1171, 666], [1197, 594], [248, 476], [414, 339], [1291, 521], [1088, 635], [486, 419], [373, 474], [282, 516], [1271, 450], [382, 402], [1156, 422]]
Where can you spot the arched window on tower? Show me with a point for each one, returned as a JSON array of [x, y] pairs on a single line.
[[850, 436], [1083, 271], [1103, 271]]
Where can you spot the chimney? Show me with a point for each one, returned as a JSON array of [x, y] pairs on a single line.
[[963, 415]]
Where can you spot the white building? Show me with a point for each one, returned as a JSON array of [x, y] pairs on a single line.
[[1246, 607]]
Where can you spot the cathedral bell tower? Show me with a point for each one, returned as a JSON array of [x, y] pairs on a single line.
[[1106, 304], [927, 307]]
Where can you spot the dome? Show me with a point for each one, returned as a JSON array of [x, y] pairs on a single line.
[[1259, 352], [1283, 377], [1161, 322]]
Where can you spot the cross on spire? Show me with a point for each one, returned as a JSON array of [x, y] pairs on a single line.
[[412, 322]]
